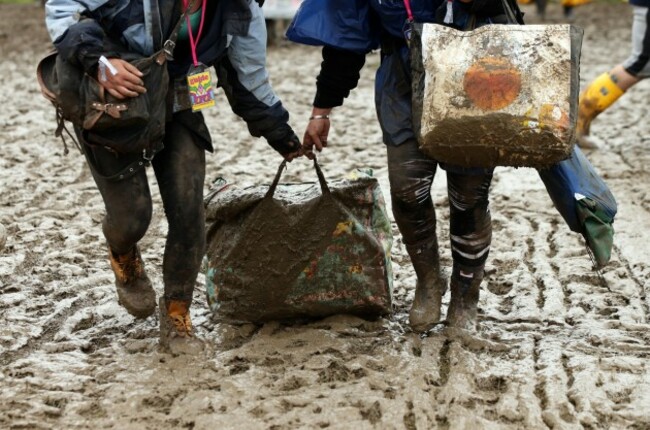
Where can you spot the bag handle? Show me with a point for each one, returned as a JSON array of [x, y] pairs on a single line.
[[510, 14], [321, 179]]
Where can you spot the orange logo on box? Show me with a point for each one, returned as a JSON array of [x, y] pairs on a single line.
[[492, 83]]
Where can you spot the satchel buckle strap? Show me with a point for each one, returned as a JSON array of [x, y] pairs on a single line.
[[148, 154], [168, 47], [112, 109]]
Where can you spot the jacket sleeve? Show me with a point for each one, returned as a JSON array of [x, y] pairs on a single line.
[[339, 74], [78, 38], [243, 76]]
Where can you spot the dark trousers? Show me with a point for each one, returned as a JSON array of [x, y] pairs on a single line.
[[180, 172], [411, 175]]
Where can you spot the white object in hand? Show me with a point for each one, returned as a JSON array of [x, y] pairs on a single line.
[[103, 60]]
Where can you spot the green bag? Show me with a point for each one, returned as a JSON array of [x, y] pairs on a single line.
[[585, 202], [598, 230]]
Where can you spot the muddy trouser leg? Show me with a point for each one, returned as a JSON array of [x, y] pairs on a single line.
[[411, 175], [128, 213], [180, 171], [471, 235], [127, 201]]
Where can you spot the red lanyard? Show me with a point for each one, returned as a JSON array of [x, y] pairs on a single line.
[[449, 17], [409, 12], [193, 43]]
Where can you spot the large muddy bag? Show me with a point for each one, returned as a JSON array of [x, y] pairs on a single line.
[[499, 95], [298, 250]]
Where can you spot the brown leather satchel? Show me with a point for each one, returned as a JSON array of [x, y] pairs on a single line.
[[131, 125]]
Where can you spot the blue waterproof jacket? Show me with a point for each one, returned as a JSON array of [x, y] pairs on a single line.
[[358, 25], [364, 25], [233, 41]]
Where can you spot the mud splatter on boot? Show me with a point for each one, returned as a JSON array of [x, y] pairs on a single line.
[[431, 286], [176, 332], [463, 307], [134, 290]]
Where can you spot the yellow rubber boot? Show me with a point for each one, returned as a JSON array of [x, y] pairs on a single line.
[[597, 97]]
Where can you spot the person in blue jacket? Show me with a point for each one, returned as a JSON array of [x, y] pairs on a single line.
[[348, 30], [603, 91], [229, 35]]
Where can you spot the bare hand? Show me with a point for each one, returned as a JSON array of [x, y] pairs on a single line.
[[125, 83], [316, 133], [293, 155]]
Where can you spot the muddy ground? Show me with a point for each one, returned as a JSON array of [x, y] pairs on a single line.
[[558, 346]]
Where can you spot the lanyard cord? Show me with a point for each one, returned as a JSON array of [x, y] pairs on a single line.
[[409, 12], [193, 43], [449, 16]]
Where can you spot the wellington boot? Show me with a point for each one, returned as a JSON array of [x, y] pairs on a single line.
[[463, 307], [587, 141], [176, 331], [597, 97], [430, 287], [134, 290]]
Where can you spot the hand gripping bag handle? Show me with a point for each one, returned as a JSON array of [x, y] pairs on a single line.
[[321, 179]]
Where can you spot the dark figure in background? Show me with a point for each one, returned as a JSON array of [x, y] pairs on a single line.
[[229, 35]]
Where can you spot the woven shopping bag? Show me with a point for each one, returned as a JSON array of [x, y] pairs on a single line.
[[298, 250]]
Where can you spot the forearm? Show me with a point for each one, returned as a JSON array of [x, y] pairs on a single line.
[[339, 74], [244, 78], [77, 38], [265, 116]]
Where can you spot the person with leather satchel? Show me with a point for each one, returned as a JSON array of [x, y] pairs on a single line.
[[386, 24], [129, 53]]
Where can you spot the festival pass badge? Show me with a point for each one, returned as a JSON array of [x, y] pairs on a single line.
[[199, 83]]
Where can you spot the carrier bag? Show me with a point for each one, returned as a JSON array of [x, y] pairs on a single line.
[[298, 250], [584, 201], [498, 95]]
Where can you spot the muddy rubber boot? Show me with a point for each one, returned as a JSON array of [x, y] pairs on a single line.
[[430, 287], [176, 333], [463, 307], [597, 97], [134, 290]]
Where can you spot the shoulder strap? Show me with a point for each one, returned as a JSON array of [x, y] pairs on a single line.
[[170, 43], [510, 14]]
